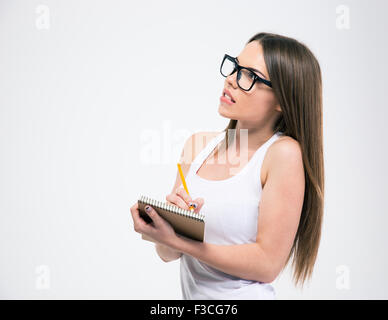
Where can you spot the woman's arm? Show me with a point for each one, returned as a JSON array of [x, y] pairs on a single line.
[[246, 261], [166, 253], [189, 152], [280, 207]]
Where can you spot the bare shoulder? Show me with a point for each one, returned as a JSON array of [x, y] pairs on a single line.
[[284, 151], [195, 144], [285, 146]]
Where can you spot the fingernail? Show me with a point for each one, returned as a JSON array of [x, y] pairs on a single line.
[[148, 208], [193, 204]]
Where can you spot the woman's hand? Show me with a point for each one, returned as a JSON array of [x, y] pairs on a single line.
[[159, 230], [148, 238], [167, 252], [181, 199]]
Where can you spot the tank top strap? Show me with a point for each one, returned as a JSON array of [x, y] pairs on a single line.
[[259, 157], [205, 152], [261, 151]]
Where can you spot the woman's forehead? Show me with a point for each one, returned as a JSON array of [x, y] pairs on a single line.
[[252, 57]]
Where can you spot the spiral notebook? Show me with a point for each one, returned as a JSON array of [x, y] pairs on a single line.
[[184, 222]]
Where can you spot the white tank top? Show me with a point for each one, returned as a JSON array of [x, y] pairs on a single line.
[[231, 209]]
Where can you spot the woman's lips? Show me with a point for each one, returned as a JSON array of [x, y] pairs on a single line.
[[226, 100]]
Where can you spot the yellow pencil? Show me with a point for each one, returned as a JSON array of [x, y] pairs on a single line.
[[184, 183]]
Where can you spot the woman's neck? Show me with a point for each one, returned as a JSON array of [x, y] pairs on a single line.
[[252, 137]]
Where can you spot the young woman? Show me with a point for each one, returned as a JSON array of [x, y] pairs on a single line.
[[269, 209]]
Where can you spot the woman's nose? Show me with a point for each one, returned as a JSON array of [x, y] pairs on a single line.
[[232, 79]]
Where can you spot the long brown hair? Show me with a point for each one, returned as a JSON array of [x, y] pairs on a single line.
[[297, 84]]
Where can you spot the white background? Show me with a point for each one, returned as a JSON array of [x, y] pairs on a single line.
[[78, 101]]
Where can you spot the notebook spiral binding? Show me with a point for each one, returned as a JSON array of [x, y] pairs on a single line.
[[172, 208]]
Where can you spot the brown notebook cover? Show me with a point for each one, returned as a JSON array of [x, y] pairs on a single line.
[[184, 222]]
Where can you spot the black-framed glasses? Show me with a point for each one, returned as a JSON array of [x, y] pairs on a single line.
[[246, 77]]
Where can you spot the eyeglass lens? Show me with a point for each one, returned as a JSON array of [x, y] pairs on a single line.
[[245, 77]]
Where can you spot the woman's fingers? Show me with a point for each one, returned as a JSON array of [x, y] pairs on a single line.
[[183, 200], [139, 225], [198, 204], [177, 200], [183, 194], [153, 214]]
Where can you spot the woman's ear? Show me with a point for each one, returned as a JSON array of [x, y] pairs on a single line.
[[278, 108]]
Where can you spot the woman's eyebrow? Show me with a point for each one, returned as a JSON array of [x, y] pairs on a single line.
[[253, 69]]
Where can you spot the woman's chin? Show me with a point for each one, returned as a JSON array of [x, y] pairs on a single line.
[[224, 112]]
